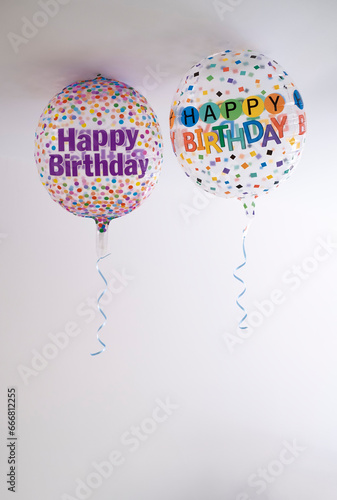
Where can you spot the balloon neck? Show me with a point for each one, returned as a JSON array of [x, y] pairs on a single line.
[[102, 226], [249, 206]]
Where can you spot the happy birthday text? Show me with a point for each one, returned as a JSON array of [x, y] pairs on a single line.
[[98, 153]]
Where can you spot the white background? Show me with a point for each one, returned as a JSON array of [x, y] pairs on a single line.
[[168, 325]]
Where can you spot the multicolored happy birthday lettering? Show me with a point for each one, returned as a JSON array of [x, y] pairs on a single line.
[[229, 111]]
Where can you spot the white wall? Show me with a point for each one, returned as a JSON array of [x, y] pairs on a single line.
[[165, 333]]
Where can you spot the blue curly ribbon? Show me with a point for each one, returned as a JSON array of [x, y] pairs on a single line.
[[244, 234], [99, 307]]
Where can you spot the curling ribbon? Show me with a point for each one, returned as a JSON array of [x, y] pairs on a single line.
[[244, 234], [99, 307]]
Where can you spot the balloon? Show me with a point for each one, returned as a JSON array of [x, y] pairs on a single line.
[[98, 149], [238, 125]]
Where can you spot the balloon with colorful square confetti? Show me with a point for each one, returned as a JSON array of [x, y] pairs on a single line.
[[238, 125]]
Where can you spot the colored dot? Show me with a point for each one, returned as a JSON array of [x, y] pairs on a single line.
[[274, 103], [253, 106], [298, 99], [231, 109], [209, 112]]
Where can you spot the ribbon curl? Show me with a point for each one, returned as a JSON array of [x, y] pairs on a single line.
[[99, 307], [244, 234]]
